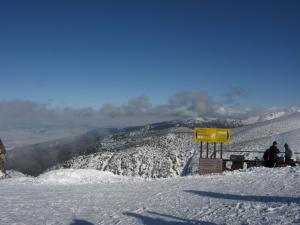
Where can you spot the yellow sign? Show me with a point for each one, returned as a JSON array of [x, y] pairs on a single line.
[[212, 135]]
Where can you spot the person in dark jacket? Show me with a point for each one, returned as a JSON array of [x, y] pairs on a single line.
[[289, 155], [271, 155]]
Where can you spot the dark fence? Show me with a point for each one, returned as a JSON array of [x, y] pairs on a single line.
[[296, 153]]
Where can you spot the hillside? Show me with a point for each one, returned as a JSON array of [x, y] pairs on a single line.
[[163, 149], [172, 152], [37, 158], [259, 136]]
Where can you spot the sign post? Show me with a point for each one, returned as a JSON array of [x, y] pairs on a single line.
[[211, 164]]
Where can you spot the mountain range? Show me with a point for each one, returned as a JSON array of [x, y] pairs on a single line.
[[165, 149]]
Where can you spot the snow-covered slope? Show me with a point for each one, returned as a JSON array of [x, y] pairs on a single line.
[[164, 149], [273, 116], [172, 152], [37, 158], [233, 198], [157, 150], [259, 136], [80, 176], [270, 114], [141, 153]]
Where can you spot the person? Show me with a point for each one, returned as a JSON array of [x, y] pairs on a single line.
[[2, 156], [289, 155], [270, 155]]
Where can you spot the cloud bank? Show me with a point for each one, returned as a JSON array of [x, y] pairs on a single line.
[[187, 104]]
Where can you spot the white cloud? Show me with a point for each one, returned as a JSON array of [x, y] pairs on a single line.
[[137, 111]]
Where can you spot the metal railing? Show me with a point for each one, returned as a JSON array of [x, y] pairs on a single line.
[[296, 153]]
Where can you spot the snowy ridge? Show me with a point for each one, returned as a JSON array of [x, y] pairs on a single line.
[[172, 152], [80, 176], [67, 177], [270, 114], [156, 155], [157, 150], [163, 149], [259, 137], [273, 116]]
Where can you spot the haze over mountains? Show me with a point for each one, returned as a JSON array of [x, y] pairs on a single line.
[[25, 123], [156, 150]]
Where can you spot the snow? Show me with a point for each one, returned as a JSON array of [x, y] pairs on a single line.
[[259, 137], [140, 154], [80, 176], [251, 120], [172, 152], [89, 196], [272, 116], [256, 196]]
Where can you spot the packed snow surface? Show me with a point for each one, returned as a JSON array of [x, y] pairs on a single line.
[[63, 197], [80, 176]]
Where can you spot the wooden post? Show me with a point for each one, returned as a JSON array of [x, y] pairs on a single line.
[[206, 149], [215, 150], [221, 153], [201, 145]]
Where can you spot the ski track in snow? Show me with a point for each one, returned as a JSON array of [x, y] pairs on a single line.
[[256, 196]]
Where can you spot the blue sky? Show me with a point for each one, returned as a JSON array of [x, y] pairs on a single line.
[[87, 53]]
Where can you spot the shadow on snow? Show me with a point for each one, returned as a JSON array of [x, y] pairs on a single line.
[[253, 198], [81, 222], [163, 219]]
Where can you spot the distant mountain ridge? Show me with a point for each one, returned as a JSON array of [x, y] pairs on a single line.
[[35, 159], [270, 114], [172, 152], [163, 149]]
